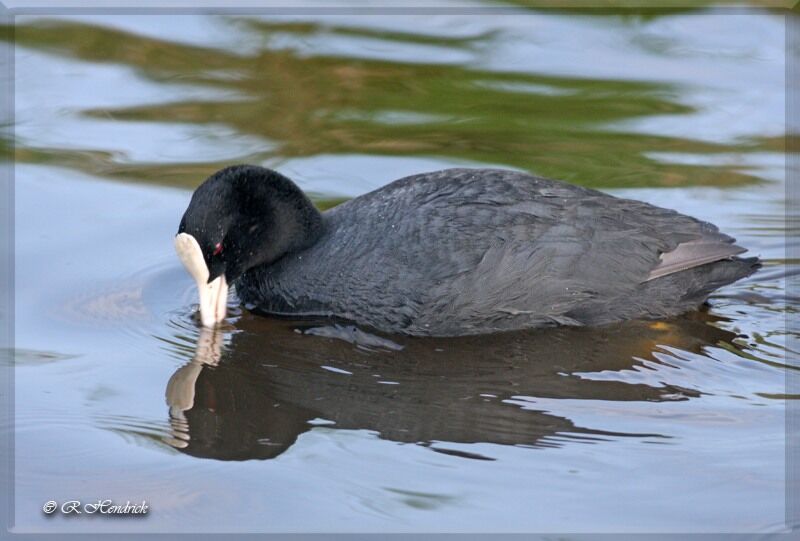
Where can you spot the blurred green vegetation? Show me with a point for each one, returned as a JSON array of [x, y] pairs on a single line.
[[566, 128]]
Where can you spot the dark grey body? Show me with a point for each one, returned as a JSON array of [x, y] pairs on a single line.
[[467, 251]]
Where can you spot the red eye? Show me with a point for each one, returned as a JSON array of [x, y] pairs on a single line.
[[218, 248]]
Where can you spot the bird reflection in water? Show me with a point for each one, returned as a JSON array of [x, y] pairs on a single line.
[[249, 393]]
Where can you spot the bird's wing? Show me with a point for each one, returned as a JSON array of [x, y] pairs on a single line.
[[693, 254]]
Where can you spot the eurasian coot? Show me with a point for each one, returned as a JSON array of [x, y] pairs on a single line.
[[452, 252]]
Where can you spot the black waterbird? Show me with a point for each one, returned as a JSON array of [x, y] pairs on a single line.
[[451, 252]]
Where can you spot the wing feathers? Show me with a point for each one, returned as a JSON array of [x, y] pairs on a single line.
[[693, 254]]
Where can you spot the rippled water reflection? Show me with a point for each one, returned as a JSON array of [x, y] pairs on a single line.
[[277, 425]]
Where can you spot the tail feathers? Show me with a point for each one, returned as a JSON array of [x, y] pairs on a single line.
[[707, 278], [668, 295]]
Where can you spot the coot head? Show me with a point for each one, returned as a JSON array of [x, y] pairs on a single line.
[[241, 217]]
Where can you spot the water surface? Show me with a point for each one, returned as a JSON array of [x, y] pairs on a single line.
[[280, 426]]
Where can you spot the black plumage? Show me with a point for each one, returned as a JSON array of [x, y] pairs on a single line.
[[458, 251]]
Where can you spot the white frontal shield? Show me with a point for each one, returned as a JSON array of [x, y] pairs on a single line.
[[214, 295]]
